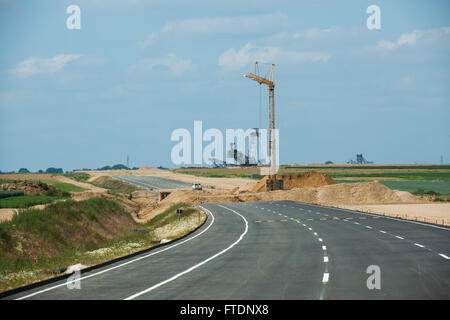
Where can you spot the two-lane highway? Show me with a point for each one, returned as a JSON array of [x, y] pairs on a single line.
[[279, 250]]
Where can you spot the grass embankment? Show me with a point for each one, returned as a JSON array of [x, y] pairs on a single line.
[[22, 202], [66, 233], [25, 193], [114, 186], [80, 177], [67, 187]]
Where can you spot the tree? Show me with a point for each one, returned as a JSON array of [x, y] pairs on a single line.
[[23, 170], [54, 170]]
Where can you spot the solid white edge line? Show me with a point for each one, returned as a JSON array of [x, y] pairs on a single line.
[[198, 264], [126, 263]]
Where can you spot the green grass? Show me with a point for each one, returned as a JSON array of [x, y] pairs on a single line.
[[170, 215], [417, 176], [70, 232], [67, 187], [409, 173], [438, 187], [7, 194], [26, 201], [80, 177], [114, 186], [8, 181]]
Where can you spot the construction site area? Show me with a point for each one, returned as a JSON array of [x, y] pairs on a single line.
[[86, 218]]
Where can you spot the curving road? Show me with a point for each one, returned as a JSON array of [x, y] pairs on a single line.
[[279, 250]]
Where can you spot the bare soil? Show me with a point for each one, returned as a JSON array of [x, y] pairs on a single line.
[[437, 213], [310, 188], [290, 181]]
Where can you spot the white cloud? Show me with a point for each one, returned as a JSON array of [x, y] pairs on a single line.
[[386, 45], [170, 64], [34, 66], [148, 41], [227, 25], [411, 39], [232, 59]]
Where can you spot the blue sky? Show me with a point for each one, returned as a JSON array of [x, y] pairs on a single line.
[[139, 69]]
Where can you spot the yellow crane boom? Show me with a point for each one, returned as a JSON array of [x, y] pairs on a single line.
[[273, 185]]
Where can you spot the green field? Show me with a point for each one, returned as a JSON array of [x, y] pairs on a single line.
[[26, 201], [410, 173], [68, 187]]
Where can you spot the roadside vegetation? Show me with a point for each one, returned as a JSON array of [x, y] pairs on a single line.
[[27, 201], [80, 177], [39, 244], [68, 187], [114, 186], [24, 194]]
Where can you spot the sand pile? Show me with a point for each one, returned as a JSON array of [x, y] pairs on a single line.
[[365, 192], [291, 181], [342, 193]]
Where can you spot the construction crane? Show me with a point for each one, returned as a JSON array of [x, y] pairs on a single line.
[[271, 85]]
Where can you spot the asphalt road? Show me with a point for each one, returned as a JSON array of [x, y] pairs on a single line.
[[279, 250], [154, 182]]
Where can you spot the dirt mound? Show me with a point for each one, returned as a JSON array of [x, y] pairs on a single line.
[[333, 194], [365, 192], [31, 188], [291, 181], [153, 208], [342, 193]]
